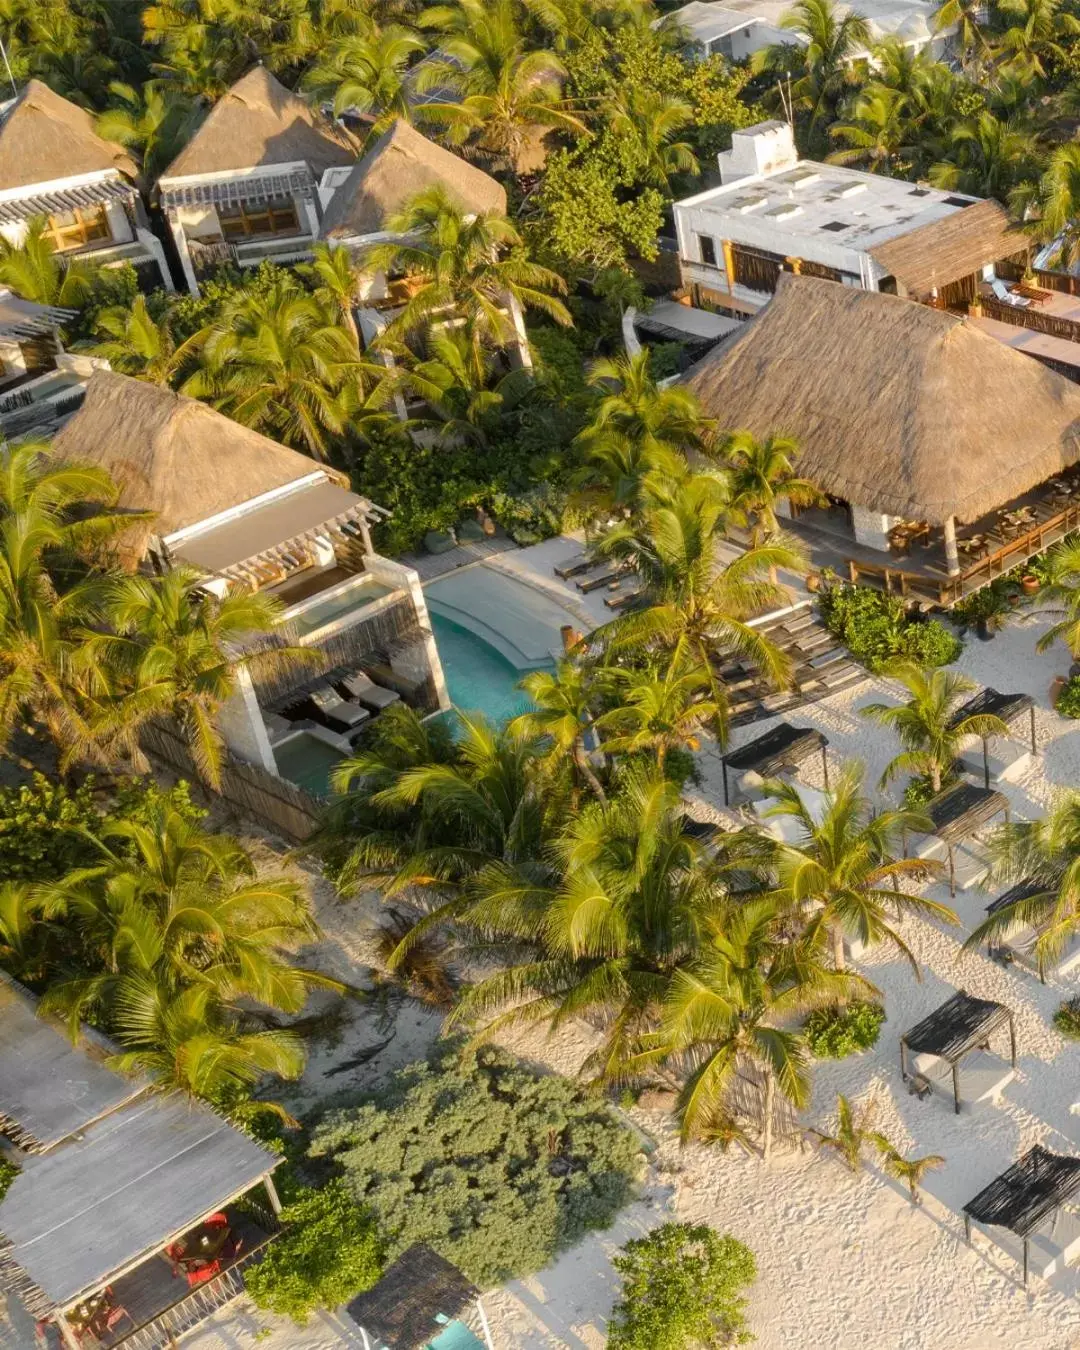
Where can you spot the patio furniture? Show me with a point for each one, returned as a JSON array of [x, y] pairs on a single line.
[[956, 815], [1023, 1198], [960, 1028], [602, 578], [419, 1300], [384, 674], [782, 749], [367, 693], [974, 544], [617, 602], [335, 712], [1008, 707], [1015, 945], [1032, 293], [570, 567], [1008, 297]]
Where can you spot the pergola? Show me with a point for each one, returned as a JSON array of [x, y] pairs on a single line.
[[957, 813], [783, 748], [1008, 707], [416, 1304], [962, 1024], [1021, 1198]]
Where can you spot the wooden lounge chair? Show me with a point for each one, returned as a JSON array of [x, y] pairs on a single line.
[[571, 567], [601, 579], [618, 602], [335, 712], [1033, 294], [1008, 297]]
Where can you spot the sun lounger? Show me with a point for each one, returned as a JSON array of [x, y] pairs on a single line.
[[1007, 297], [580, 562], [366, 692], [335, 711], [618, 602], [381, 673], [601, 579]]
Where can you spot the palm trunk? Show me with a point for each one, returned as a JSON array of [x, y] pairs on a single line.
[[837, 935], [766, 1125], [935, 777], [581, 760]]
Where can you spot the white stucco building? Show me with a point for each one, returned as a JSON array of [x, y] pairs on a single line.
[[776, 213], [245, 187], [54, 166]]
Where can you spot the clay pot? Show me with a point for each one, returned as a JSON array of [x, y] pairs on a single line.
[[1057, 684], [1029, 584], [813, 581]]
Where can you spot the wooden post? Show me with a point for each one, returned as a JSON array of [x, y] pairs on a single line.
[[952, 872], [952, 554], [1012, 1039], [1033, 749], [729, 264], [271, 1194], [825, 767], [967, 1228], [956, 1086], [66, 1334], [986, 764], [903, 1059], [1025, 1262], [723, 767]]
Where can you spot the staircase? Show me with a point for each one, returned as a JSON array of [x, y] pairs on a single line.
[[821, 664]]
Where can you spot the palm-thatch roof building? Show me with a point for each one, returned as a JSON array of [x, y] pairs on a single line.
[[914, 421], [56, 168], [244, 187], [253, 515], [111, 1173]]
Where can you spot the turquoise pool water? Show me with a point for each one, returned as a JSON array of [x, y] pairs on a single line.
[[477, 677], [307, 761]]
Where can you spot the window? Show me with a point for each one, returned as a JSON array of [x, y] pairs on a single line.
[[708, 250], [247, 220], [77, 228], [837, 225]]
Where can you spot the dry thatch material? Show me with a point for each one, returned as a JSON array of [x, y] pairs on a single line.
[[259, 122], [44, 137], [944, 251], [896, 407], [172, 455], [400, 164]]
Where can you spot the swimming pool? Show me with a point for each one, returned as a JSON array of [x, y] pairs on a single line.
[[307, 761], [478, 679]]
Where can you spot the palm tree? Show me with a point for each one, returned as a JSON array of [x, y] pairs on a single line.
[[152, 120], [633, 405], [693, 600], [175, 650], [728, 1013], [842, 874], [658, 709], [879, 132], [927, 725], [1062, 590], [823, 55], [332, 277], [989, 156], [565, 711], [1044, 855], [1034, 33], [35, 272], [24, 928], [910, 1171], [760, 473], [462, 387], [1059, 201], [135, 343], [471, 266], [279, 363], [366, 74], [969, 18], [500, 92], [653, 119], [853, 1132]]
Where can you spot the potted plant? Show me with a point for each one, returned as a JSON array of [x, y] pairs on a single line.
[[813, 582], [1029, 583]]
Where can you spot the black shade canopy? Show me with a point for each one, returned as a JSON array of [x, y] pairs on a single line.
[[785, 747], [958, 1026], [1023, 890], [418, 1287], [1028, 1192], [960, 810], [989, 703]]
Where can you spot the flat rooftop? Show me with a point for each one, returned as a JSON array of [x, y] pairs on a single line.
[[829, 202], [909, 20]]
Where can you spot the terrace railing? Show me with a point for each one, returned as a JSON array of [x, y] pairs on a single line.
[[1053, 325]]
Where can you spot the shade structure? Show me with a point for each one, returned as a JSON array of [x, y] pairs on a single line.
[[962, 1024], [958, 813], [1008, 707], [1023, 890], [1026, 1194], [784, 747], [415, 1298]]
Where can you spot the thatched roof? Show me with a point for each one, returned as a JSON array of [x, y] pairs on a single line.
[[400, 164], [897, 407], [419, 1287], [949, 248], [44, 137], [173, 455], [259, 122]]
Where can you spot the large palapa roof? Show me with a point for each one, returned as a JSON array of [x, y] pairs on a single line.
[[260, 122], [895, 406], [44, 137], [400, 164], [172, 455]]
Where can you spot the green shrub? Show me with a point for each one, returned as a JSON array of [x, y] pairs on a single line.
[[497, 1168], [682, 1289], [533, 516], [8, 1172], [920, 789], [876, 629], [329, 1252], [1068, 701], [835, 1033], [1067, 1019]]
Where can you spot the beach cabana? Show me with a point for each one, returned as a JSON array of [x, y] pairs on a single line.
[[1025, 1199], [418, 1305], [956, 816], [781, 750], [1016, 943], [957, 1031], [1009, 708]]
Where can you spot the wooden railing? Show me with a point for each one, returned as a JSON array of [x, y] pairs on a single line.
[[1053, 325], [1058, 281]]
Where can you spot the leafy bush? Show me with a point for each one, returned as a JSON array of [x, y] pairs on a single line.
[[835, 1033], [329, 1252], [8, 1172], [682, 1289], [1067, 1019], [1068, 701], [920, 789], [535, 515], [876, 629], [497, 1168], [990, 605]]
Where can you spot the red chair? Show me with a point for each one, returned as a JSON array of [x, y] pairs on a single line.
[[203, 1273]]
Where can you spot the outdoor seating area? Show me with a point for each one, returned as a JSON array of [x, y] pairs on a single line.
[[774, 753], [342, 704], [589, 573], [957, 817], [1030, 1201], [958, 1033], [1010, 709]]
